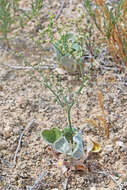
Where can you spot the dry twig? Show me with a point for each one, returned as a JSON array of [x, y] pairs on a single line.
[[60, 9], [100, 118], [65, 184], [28, 68], [38, 181], [20, 139], [114, 180]]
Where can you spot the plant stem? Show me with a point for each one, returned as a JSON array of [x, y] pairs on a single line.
[[45, 83], [68, 113], [57, 97], [84, 79]]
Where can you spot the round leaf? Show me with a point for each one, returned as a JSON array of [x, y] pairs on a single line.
[[50, 136]]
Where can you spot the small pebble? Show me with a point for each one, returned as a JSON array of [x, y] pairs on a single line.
[[108, 148], [7, 132], [3, 145], [119, 143], [93, 188]]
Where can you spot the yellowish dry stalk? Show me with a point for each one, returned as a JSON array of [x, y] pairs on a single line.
[[102, 119], [117, 31]]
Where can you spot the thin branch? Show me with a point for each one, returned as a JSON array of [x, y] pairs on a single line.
[[65, 183], [114, 180], [20, 139], [60, 9], [45, 83], [55, 94], [38, 181], [28, 68], [120, 187]]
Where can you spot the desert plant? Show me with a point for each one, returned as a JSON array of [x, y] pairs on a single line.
[[36, 6], [5, 19], [69, 50], [9, 15], [68, 46], [60, 141], [71, 145], [68, 141], [112, 24]]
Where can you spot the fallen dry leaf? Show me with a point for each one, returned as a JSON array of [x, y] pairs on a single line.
[[93, 146]]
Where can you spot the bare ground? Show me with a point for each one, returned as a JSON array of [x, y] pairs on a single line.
[[23, 98]]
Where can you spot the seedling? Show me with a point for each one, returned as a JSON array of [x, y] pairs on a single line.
[[66, 144], [69, 142]]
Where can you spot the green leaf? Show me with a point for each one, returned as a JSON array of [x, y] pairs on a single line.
[[76, 46], [62, 146], [78, 151], [69, 36], [57, 49], [68, 133], [50, 136], [78, 138]]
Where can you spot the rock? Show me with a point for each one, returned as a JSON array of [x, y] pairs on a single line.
[[93, 188], [7, 132], [3, 145], [9, 75], [108, 148], [124, 149], [1, 87], [119, 143]]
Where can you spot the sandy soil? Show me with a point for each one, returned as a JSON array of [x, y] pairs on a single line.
[[23, 99]]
